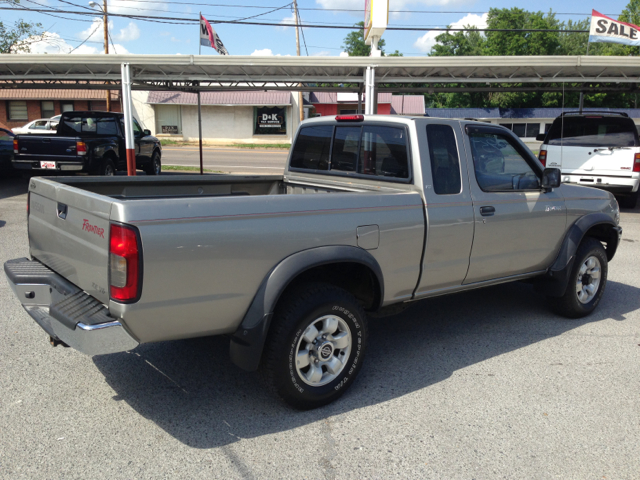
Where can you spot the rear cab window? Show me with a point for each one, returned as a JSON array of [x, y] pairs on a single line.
[[91, 125], [593, 131], [368, 150]]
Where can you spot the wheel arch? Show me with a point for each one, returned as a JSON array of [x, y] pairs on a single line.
[[596, 225], [347, 267]]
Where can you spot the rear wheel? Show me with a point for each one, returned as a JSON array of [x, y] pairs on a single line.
[[155, 167], [586, 283], [315, 346], [107, 168]]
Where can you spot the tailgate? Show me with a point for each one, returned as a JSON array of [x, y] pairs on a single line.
[[49, 146], [69, 232], [592, 160]]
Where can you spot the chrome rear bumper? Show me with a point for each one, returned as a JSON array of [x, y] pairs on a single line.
[[64, 311]]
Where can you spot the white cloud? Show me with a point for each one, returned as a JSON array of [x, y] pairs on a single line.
[[266, 52], [52, 43], [428, 40], [129, 33], [323, 53], [287, 21]]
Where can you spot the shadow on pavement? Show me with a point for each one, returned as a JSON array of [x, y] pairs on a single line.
[[12, 186], [191, 389]]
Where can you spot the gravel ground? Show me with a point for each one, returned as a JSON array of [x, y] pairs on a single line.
[[485, 384]]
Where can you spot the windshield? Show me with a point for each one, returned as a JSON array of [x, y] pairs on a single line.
[[593, 131]]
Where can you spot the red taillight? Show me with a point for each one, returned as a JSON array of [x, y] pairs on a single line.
[[349, 118], [124, 264], [636, 162], [542, 156], [81, 148], [15, 145]]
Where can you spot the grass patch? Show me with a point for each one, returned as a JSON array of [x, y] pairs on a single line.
[[180, 168], [260, 145]]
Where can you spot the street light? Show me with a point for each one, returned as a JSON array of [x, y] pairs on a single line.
[[105, 23]]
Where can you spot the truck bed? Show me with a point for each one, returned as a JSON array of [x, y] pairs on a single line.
[[207, 242]]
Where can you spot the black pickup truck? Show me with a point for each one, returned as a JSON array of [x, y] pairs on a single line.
[[91, 142]]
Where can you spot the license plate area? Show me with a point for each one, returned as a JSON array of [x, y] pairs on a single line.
[[48, 165]]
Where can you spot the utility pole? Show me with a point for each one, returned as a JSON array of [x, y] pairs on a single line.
[[295, 12], [105, 22]]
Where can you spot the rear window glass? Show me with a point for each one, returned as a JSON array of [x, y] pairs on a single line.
[[88, 125], [383, 152], [593, 132], [311, 150]]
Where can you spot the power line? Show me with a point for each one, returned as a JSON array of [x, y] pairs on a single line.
[[187, 21], [90, 35], [299, 20]]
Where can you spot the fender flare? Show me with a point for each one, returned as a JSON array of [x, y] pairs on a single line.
[[247, 342], [555, 282]]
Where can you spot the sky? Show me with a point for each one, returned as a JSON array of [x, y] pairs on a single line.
[[67, 32]]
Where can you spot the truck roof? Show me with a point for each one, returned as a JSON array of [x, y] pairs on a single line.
[[93, 113]]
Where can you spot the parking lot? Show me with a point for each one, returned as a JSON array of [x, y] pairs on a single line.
[[484, 384]]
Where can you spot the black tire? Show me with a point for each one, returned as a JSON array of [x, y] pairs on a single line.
[[300, 309], [155, 167], [629, 201], [107, 168], [569, 304]]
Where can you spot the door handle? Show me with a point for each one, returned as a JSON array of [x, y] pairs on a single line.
[[487, 211]]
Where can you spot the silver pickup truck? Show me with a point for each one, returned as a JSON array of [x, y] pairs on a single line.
[[371, 212]]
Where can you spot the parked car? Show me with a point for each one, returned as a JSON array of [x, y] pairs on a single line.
[[372, 212], [90, 142], [596, 149], [41, 126], [6, 151]]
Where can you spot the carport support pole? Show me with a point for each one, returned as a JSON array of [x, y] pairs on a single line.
[[200, 132], [128, 119], [370, 83]]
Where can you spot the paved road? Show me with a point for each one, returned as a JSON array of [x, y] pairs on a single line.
[[485, 384], [228, 159]]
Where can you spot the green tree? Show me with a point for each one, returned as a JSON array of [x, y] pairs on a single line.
[[521, 43], [17, 38], [354, 43], [459, 43], [631, 13]]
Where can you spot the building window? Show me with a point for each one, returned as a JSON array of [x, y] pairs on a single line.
[[18, 110], [98, 105], [46, 109], [66, 107], [270, 121], [528, 130]]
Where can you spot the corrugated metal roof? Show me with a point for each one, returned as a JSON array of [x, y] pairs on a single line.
[[62, 94], [332, 97], [519, 113], [221, 98], [407, 105]]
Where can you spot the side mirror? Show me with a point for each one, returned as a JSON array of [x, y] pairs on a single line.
[[551, 178], [540, 137], [146, 132]]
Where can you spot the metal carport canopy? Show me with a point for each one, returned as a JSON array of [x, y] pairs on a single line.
[[204, 72]]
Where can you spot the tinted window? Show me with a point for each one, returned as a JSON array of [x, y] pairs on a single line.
[[383, 152], [593, 132], [311, 149], [445, 164], [90, 125], [5, 138], [344, 155], [498, 165]]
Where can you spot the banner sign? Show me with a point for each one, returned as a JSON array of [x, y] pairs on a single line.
[[209, 37], [270, 121], [605, 29]]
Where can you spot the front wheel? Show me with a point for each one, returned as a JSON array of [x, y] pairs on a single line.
[[156, 166], [107, 168], [315, 346], [586, 283]]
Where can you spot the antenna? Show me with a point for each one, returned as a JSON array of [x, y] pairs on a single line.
[[562, 126]]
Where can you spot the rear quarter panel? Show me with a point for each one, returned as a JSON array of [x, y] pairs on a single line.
[[204, 258]]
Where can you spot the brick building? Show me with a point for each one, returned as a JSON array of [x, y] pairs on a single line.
[[20, 106]]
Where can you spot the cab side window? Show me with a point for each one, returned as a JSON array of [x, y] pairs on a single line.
[[499, 166], [445, 163]]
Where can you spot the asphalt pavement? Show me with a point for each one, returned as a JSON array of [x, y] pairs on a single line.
[[228, 160], [480, 385]]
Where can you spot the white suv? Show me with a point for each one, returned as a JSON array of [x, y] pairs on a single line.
[[595, 149]]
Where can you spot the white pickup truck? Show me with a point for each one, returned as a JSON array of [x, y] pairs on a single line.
[[371, 212]]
